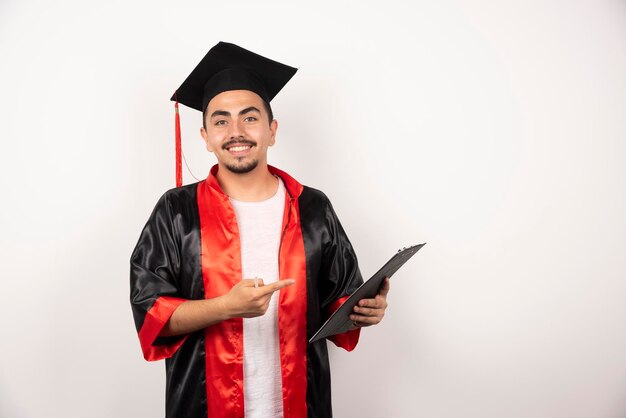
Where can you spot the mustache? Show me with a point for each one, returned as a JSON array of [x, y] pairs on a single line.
[[241, 141]]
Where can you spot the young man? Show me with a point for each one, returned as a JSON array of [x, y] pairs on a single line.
[[232, 275]]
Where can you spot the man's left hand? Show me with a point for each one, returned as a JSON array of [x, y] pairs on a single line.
[[371, 311]]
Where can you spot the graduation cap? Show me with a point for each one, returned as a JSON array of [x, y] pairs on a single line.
[[227, 67]]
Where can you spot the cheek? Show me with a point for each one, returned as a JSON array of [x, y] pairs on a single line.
[[211, 144], [255, 130], [214, 139], [261, 134]]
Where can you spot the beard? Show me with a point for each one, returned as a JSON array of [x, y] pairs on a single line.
[[243, 167], [240, 167]]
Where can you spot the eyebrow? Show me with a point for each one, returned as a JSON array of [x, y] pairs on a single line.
[[248, 110], [243, 112]]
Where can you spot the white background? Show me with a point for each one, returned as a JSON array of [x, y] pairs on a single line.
[[494, 131]]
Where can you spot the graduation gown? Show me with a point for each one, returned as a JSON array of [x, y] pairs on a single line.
[[190, 249]]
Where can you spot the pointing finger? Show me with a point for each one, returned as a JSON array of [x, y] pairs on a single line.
[[272, 287]]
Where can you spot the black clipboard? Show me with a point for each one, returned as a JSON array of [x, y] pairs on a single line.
[[339, 321]]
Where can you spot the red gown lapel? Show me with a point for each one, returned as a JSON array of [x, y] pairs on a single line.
[[221, 269]]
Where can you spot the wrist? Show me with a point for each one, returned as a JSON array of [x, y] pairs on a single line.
[[225, 307]]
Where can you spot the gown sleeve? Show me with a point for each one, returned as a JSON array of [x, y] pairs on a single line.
[[154, 270], [342, 275]]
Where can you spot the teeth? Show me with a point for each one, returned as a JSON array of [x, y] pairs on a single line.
[[239, 148]]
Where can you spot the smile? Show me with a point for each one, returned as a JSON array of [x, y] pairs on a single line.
[[239, 148]]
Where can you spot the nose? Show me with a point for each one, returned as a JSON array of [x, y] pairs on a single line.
[[235, 130]]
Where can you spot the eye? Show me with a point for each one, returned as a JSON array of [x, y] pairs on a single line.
[[250, 119], [220, 122]]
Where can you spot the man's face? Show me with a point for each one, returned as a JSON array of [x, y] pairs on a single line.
[[237, 130]]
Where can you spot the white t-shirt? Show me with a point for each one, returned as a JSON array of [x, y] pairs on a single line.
[[260, 232]]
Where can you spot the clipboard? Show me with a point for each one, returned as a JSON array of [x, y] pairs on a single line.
[[339, 322]]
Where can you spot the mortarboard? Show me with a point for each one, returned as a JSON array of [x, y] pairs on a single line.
[[227, 67]]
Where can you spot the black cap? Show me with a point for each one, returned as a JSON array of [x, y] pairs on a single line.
[[230, 67]]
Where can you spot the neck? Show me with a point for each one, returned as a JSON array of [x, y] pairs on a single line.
[[257, 185]]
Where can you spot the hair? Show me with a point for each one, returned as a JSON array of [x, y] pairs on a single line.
[[266, 105]]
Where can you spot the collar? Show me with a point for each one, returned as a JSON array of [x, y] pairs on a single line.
[[293, 187]]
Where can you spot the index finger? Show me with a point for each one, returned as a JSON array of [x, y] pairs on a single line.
[[272, 287]]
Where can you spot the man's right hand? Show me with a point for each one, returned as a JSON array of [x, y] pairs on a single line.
[[246, 301], [242, 300]]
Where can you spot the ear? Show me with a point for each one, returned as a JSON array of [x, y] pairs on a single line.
[[273, 129], [205, 136]]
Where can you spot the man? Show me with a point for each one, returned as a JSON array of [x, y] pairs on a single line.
[[232, 275]]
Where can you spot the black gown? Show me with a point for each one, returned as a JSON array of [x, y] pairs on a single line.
[[189, 249]]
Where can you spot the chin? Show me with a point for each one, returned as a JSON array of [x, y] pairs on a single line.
[[243, 167]]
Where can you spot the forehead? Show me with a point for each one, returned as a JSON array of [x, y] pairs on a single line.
[[235, 100]]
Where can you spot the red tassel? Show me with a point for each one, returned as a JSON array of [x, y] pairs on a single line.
[[179, 164]]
